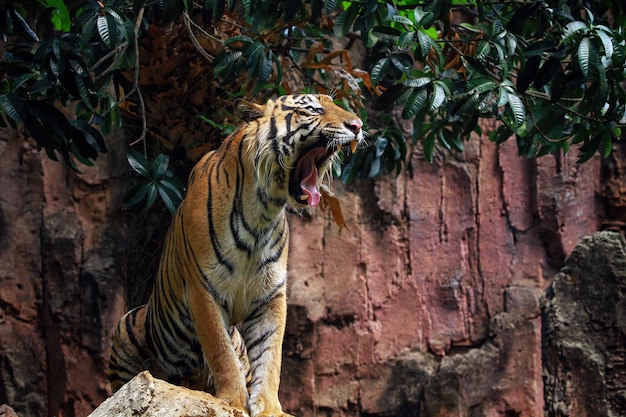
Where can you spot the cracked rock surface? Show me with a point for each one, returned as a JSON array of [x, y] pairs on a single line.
[[584, 331]]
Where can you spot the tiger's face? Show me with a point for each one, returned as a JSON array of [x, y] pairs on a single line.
[[298, 140]]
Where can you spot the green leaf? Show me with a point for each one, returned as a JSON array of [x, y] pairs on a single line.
[[607, 43], [279, 68], [423, 18], [572, 28], [152, 194], [86, 96], [382, 31], [589, 149], [13, 107], [105, 31], [90, 135], [471, 27], [88, 31], [225, 63], [511, 44], [380, 146], [429, 147], [374, 168], [406, 39], [470, 124], [171, 199], [501, 134], [423, 44], [480, 85], [139, 163], [20, 80], [351, 171], [417, 82], [517, 107], [254, 52], [414, 103], [379, 70], [136, 194], [439, 96], [329, 5], [78, 153], [482, 51], [174, 186], [400, 19], [60, 16], [466, 104], [159, 166], [584, 55], [247, 6], [402, 61], [345, 20], [22, 28]]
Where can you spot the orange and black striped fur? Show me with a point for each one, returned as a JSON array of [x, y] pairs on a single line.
[[215, 320]]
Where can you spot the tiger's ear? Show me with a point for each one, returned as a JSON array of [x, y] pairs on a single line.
[[248, 111]]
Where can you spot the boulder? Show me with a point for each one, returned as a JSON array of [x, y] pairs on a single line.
[[147, 396], [584, 331]]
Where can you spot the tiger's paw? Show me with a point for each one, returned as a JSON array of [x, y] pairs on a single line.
[[233, 400], [235, 404], [259, 409]]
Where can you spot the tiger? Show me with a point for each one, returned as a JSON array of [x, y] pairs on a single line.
[[215, 319]]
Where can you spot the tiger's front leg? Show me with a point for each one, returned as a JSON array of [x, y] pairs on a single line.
[[217, 347], [263, 332]]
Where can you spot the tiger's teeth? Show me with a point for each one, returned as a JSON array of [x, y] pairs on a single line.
[[353, 145], [338, 147], [304, 197]]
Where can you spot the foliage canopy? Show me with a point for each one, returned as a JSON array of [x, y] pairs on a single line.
[[552, 72]]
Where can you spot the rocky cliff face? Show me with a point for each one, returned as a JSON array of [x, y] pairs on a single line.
[[62, 248], [427, 305]]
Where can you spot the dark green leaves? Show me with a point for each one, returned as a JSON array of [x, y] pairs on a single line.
[[155, 179], [109, 26], [71, 66], [245, 55], [553, 76], [550, 73], [386, 153], [12, 22], [53, 131]]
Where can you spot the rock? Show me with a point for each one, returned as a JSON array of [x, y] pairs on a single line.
[[584, 331], [146, 396]]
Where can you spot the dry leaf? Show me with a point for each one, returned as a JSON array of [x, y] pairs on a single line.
[[330, 201]]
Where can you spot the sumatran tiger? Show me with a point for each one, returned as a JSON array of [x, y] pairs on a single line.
[[216, 317]]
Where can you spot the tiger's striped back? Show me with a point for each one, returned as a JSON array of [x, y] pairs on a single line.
[[215, 320]]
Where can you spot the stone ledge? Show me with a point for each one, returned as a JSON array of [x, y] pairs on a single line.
[[147, 396]]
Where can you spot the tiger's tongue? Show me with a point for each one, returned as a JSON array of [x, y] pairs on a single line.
[[309, 180]]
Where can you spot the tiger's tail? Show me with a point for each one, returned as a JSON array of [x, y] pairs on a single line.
[[128, 346]]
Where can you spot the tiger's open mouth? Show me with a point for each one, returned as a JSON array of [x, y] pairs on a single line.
[[304, 182]]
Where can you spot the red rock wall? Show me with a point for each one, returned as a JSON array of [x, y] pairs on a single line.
[[428, 304], [62, 248]]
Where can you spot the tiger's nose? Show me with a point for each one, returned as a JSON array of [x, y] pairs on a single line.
[[354, 125]]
